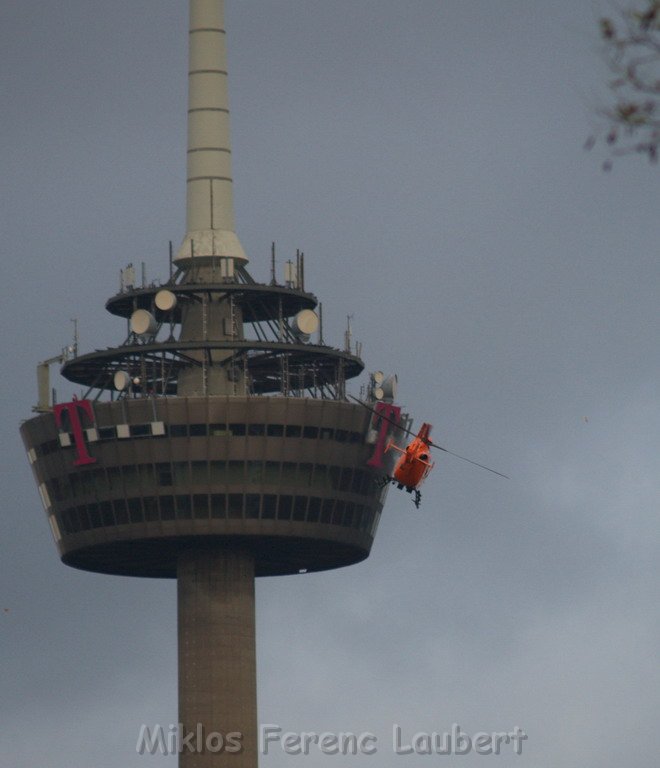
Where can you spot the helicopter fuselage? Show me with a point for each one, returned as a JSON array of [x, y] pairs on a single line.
[[414, 464]]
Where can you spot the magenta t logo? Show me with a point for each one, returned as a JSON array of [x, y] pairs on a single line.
[[390, 414], [73, 410]]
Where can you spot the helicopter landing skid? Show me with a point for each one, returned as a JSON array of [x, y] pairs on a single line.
[[386, 479], [410, 489]]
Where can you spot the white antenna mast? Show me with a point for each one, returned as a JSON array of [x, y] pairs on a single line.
[[209, 199]]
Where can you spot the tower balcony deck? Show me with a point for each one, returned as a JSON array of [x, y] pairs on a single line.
[[258, 301], [285, 478]]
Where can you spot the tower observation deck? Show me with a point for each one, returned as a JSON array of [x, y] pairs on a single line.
[[215, 443]]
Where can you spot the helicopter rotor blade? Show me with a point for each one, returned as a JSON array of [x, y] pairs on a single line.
[[382, 416], [432, 444], [476, 463]]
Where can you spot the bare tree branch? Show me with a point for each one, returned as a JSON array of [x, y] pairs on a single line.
[[631, 49]]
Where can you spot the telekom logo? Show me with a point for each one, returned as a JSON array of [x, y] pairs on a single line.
[[74, 411], [390, 415]]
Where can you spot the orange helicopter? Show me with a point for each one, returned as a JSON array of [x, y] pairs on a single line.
[[414, 464]]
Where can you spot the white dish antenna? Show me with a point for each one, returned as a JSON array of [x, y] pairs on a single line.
[[304, 324], [165, 301], [122, 380], [384, 388], [143, 323], [389, 386]]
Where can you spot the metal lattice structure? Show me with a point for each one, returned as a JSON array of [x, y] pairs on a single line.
[[253, 344]]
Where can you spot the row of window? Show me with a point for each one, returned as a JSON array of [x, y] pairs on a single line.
[[205, 430], [251, 506], [264, 430], [148, 478]]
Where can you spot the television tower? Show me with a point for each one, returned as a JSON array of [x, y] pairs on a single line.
[[215, 443]]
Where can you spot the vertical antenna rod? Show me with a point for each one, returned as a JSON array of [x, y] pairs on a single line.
[[210, 207]]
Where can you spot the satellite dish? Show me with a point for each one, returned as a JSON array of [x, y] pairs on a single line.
[[122, 380], [165, 301], [304, 324], [378, 377], [378, 393], [143, 323], [389, 386], [306, 321]]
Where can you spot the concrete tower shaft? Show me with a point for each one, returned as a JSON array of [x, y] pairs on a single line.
[[209, 202], [217, 655]]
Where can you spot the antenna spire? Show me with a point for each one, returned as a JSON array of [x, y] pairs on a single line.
[[210, 207]]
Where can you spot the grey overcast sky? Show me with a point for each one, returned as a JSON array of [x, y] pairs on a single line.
[[427, 157]]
